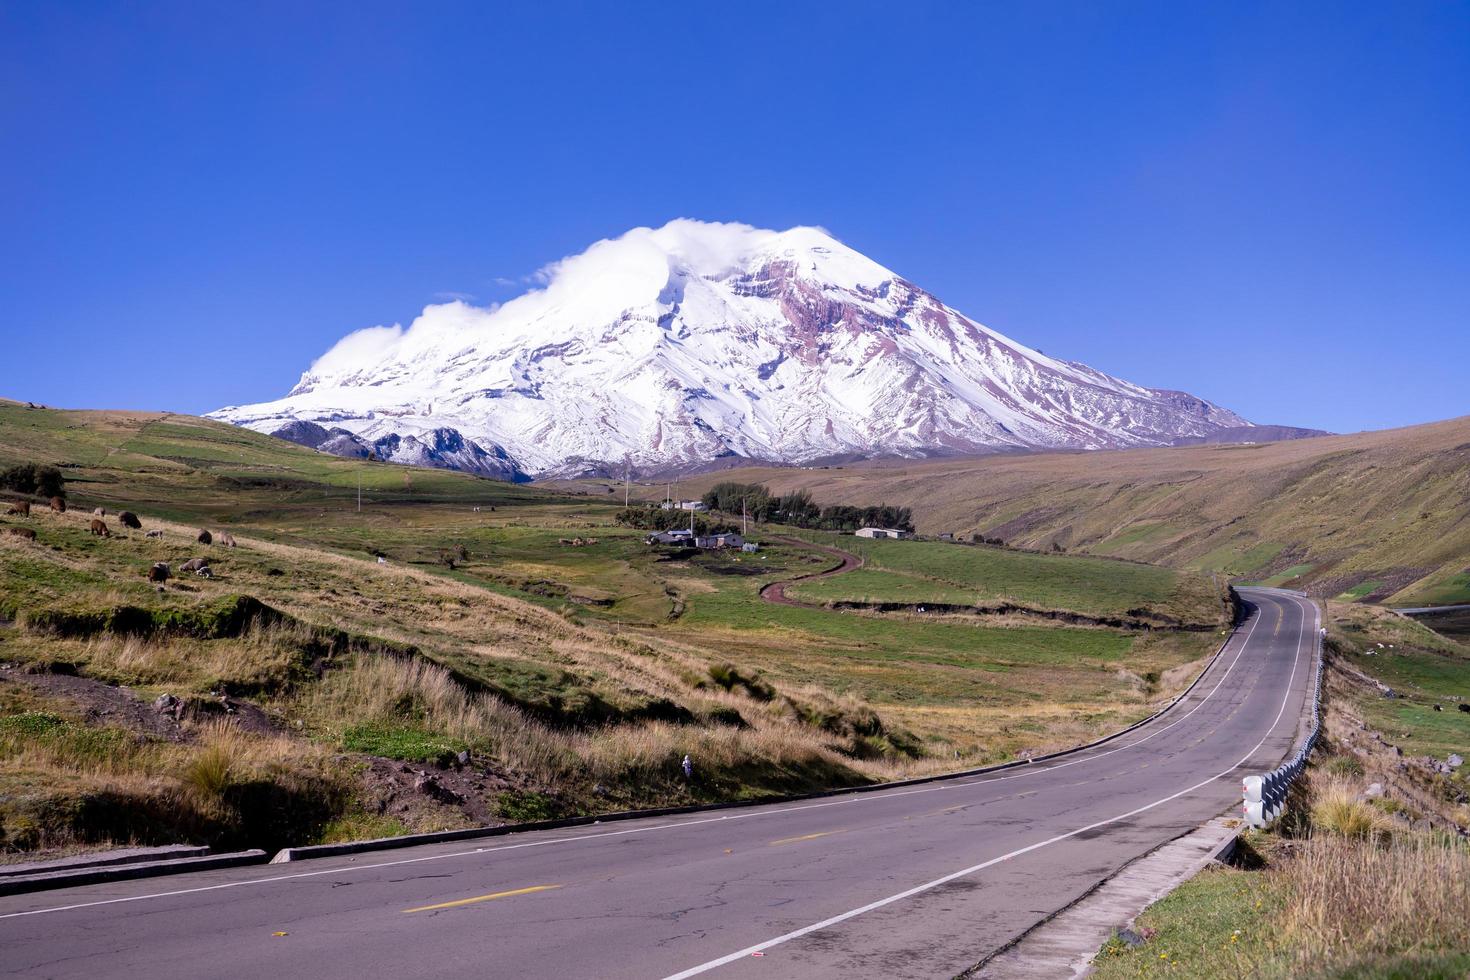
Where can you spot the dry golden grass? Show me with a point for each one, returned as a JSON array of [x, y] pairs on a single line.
[[1348, 898], [262, 654], [398, 691], [1338, 810], [1345, 504]]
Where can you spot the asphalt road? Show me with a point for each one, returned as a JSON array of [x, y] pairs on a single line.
[[917, 881]]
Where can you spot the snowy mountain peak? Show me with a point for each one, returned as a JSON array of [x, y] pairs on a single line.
[[669, 347]]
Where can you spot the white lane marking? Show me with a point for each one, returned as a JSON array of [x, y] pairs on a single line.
[[930, 885], [892, 794]]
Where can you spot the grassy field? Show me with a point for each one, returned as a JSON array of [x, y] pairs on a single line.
[[920, 571], [1327, 908], [514, 653], [1424, 669], [1379, 516]]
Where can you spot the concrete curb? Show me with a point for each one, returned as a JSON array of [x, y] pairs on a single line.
[[24, 884], [289, 854], [1066, 943], [101, 859]]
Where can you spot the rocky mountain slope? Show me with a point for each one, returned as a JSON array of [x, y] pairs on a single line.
[[668, 348]]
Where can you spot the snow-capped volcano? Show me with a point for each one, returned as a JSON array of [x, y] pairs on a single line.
[[671, 347]]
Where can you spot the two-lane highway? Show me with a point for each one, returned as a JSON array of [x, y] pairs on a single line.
[[915, 881]]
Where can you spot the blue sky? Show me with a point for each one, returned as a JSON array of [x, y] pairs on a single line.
[[1267, 205]]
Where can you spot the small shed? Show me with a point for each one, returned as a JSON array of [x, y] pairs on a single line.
[[882, 532], [730, 540]]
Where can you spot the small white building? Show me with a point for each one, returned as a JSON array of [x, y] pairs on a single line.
[[697, 505], [750, 547], [882, 532], [730, 540]]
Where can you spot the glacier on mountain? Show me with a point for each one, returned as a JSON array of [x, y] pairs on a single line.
[[668, 348]]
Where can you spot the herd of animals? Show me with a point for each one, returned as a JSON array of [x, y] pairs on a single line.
[[159, 572]]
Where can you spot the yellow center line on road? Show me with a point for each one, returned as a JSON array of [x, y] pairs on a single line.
[[794, 840], [482, 898]]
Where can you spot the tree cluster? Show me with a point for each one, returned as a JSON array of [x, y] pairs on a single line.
[[797, 509], [43, 481], [658, 519]]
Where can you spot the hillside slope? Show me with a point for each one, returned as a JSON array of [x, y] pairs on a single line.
[[1382, 516], [460, 650]]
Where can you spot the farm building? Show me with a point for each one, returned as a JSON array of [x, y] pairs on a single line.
[[731, 540], [679, 536], [882, 532], [750, 547]]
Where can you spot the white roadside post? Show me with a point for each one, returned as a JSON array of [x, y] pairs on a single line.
[[1253, 810]]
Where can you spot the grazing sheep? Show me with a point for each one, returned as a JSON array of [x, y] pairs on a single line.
[[100, 529], [20, 509], [194, 564], [159, 572], [58, 505], [129, 519], [100, 512], [227, 539], [155, 533], [22, 532], [204, 572], [205, 537]]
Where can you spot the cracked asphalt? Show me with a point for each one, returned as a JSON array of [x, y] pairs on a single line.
[[915, 881]]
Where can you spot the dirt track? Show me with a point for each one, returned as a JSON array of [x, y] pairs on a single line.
[[776, 591]]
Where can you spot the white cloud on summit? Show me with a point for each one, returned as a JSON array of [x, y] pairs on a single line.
[[357, 348], [594, 286]]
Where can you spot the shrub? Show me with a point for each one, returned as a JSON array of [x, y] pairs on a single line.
[[30, 724], [1338, 811], [1343, 765], [526, 806], [729, 677], [43, 481], [209, 773]]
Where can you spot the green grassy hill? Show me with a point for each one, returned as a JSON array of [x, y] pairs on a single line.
[[948, 573], [1377, 516], [308, 691]]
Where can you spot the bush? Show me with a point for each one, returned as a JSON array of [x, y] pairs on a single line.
[[30, 724], [525, 807], [43, 481], [1343, 765], [1338, 811], [210, 772], [729, 677]]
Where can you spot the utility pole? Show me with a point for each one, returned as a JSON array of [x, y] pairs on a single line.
[[626, 484], [359, 491], [742, 517]]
